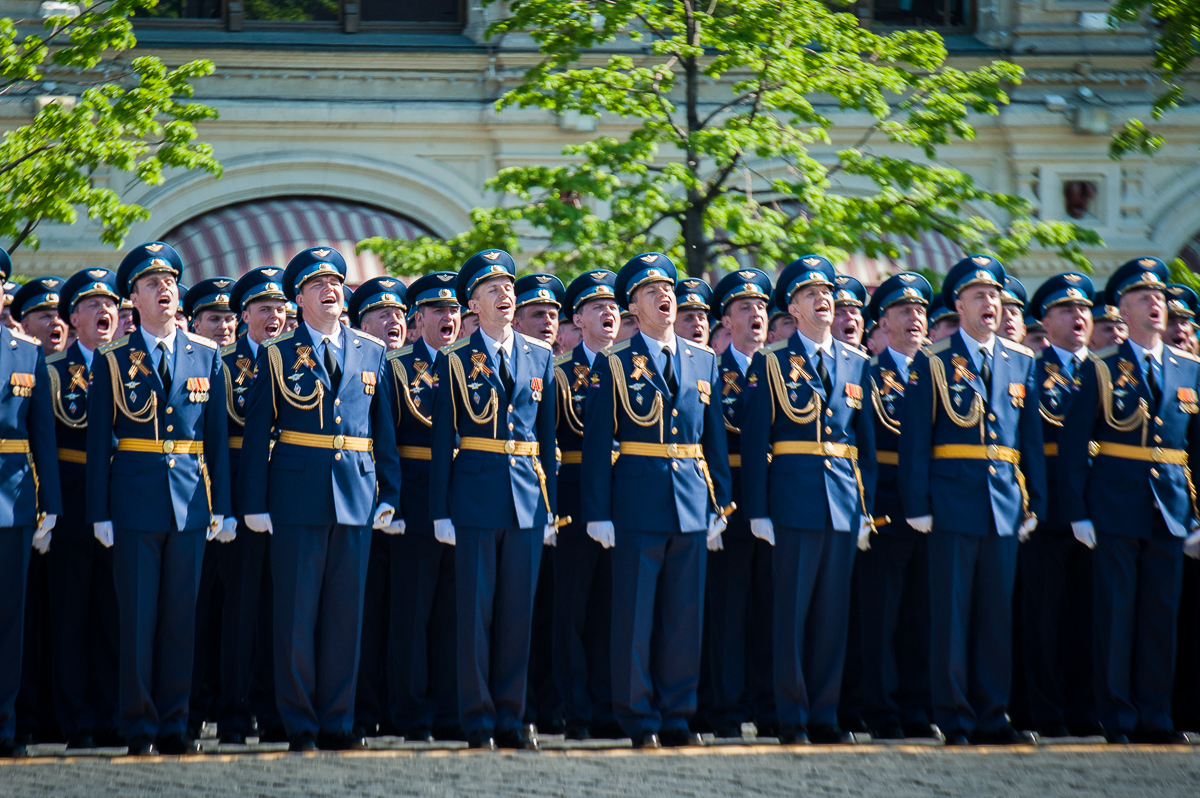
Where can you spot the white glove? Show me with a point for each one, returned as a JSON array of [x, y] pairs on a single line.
[[260, 522], [383, 515], [1027, 529], [228, 530], [864, 534], [397, 527], [763, 529], [443, 530], [550, 535], [103, 530], [41, 541], [1085, 533], [716, 525], [603, 532], [922, 524], [1191, 546], [47, 524], [715, 543], [214, 526]]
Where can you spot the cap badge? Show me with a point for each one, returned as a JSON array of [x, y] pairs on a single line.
[[811, 261], [271, 287], [1071, 277], [159, 263], [221, 298], [97, 274], [906, 277], [543, 293], [653, 273], [1147, 262], [911, 293], [981, 260], [445, 277], [270, 272], [387, 283], [603, 289], [51, 297], [1151, 277], [154, 247], [982, 275], [491, 255], [320, 253], [747, 275], [815, 275], [649, 258], [221, 283], [50, 282], [543, 278], [845, 295], [1074, 293]]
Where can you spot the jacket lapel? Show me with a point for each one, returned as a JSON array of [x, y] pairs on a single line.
[[352, 364], [182, 367]]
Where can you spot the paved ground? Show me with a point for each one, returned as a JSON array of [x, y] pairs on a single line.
[[896, 771]]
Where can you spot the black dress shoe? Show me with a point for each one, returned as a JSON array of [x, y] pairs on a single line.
[[1052, 731], [176, 745], [829, 734], [679, 738], [888, 731], [481, 739], [728, 732], [110, 738], [646, 739], [232, 737], [302, 743], [1005, 735], [364, 732], [577, 731], [420, 734], [1159, 737], [1116, 737], [957, 737], [793, 735], [80, 739], [700, 725], [341, 741], [12, 750], [522, 739], [854, 724], [919, 731], [142, 745]]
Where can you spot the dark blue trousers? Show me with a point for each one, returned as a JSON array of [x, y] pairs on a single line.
[[422, 665], [741, 599], [1056, 624], [1136, 603], [658, 596], [319, 575], [246, 639], [893, 585], [583, 627], [84, 619], [35, 710], [970, 666], [158, 577], [206, 666], [812, 613], [371, 696], [496, 573], [543, 705], [14, 564]]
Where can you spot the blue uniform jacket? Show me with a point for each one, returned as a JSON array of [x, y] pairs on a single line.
[[1118, 493], [630, 403], [956, 490], [735, 390], [25, 414], [240, 372], [887, 403], [808, 491], [412, 385], [303, 485], [572, 385], [1056, 393], [70, 381], [493, 490], [151, 491]]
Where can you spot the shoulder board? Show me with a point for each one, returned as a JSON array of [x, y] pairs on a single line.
[[369, 337], [775, 347], [403, 351], [875, 361], [278, 339], [1106, 352], [117, 344], [854, 350], [199, 339], [1014, 346], [29, 339], [708, 349], [1180, 353], [229, 350], [57, 356], [537, 341], [940, 346], [454, 347], [617, 347], [564, 358]]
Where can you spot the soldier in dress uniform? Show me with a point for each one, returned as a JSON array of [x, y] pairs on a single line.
[[1182, 304], [1035, 334], [157, 487], [6, 317], [29, 507], [583, 588], [943, 320], [35, 306], [495, 500], [739, 595], [692, 299], [849, 299], [291, 317], [420, 658], [83, 597], [1056, 572], [893, 573], [331, 477], [657, 503], [808, 460], [377, 308], [972, 472], [1014, 298], [1108, 328], [247, 666], [206, 306], [1133, 503]]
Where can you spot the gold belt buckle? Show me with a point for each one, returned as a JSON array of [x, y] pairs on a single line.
[[168, 447], [826, 448], [673, 450], [992, 451], [1158, 454], [510, 446], [339, 441]]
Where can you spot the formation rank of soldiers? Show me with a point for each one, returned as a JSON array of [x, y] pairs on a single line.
[[318, 532]]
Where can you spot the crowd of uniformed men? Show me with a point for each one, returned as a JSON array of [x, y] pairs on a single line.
[[478, 506]]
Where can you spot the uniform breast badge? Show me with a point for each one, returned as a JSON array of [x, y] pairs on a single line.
[[197, 389], [245, 368], [854, 396], [536, 385], [639, 368], [479, 365], [1126, 367], [22, 384], [368, 381], [135, 358], [1016, 392], [705, 390], [1187, 400], [796, 369], [304, 358]]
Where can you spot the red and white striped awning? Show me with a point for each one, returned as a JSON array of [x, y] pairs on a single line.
[[232, 240]]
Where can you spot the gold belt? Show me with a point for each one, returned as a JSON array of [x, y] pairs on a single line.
[[822, 448], [1150, 454], [530, 448], [416, 452], [235, 441], [735, 460], [572, 458], [1051, 449], [311, 441], [14, 447], [885, 457], [674, 451], [160, 447], [72, 456], [968, 451]]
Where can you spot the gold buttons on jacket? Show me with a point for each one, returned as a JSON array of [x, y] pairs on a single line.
[[170, 410], [337, 420], [337, 402]]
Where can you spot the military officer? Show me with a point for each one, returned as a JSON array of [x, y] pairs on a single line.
[[292, 317], [739, 596], [422, 687], [1056, 572], [1108, 328], [83, 598], [1133, 503], [1014, 298], [1182, 304], [247, 665], [972, 472], [6, 317], [157, 411], [35, 306], [31, 505], [657, 503], [495, 500], [692, 299], [893, 573], [539, 306], [849, 299], [583, 588], [380, 310], [1035, 334], [804, 436], [332, 476], [943, 320], [206, 306]]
